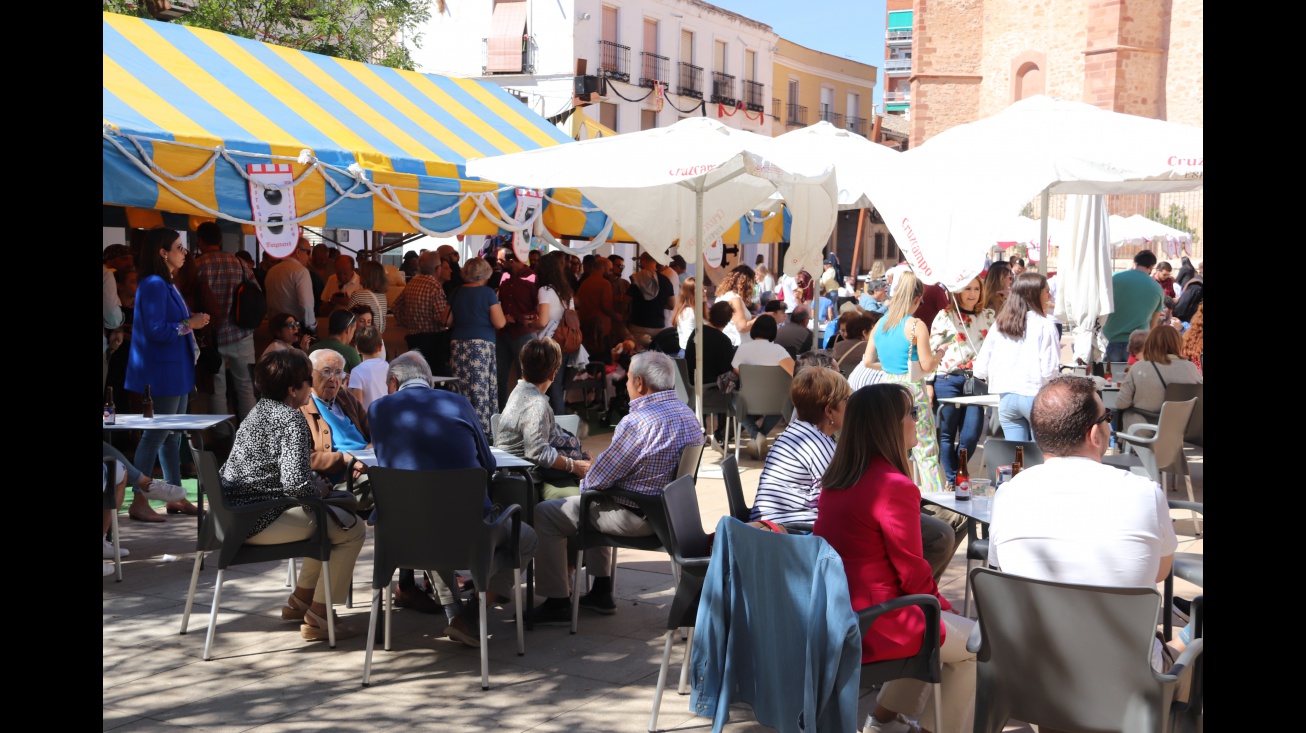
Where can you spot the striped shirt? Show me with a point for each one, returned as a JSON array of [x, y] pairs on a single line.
[[646, 446], [790, 483]]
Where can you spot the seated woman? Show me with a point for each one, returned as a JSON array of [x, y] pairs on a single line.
[[790, 482], [270, 460], [762, 350], [526, 425], [286, 334], [870, 515], [1144, 385], [853, 327]]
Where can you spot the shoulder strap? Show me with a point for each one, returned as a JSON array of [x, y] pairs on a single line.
[[1158, 375]]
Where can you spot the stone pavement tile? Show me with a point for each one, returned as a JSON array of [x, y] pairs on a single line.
[[625, 710], [114, 718], [160, 630], [547, 647], [359, 710], [268, 699], [180, 686], [148, 725], [123, 665], [120, 604], [622, 661], [526, 702]]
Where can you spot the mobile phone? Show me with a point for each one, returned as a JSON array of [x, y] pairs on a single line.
[[948, 339]]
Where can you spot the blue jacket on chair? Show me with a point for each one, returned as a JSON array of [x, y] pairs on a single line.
[[776, 629], [160, 357]]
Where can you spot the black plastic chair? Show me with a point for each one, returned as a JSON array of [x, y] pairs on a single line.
[[1072, 657], [926, 665], [223, 528], [739, 508], [1187, 565], [590, 537], [690, 549], [433, 519]]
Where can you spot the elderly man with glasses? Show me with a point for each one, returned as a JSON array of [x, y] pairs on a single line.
[[338, 423], [289, 287]]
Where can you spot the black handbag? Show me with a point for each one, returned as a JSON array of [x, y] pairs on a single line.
[[974, 385], [210, 361]]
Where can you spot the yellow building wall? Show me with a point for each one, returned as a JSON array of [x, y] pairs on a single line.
[[815, 70]]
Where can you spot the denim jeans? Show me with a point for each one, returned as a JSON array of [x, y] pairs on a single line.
[[750, 423], [133, 475], [1013, 413], [236, 357], [164, 445], [969, 420], [1117, 351]]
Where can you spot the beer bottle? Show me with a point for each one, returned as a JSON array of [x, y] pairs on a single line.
[[110, 412], [1107, 374], [1019, 464], [963, 479], [147, 404]]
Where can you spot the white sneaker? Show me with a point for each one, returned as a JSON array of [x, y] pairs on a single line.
[[108, 569], [163, 491], [898, 725], [108, 550], [759, 446]]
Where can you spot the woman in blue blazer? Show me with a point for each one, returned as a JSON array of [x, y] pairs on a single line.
[[163, 356]]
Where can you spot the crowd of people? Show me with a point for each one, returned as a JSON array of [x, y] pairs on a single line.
[[849, 465]]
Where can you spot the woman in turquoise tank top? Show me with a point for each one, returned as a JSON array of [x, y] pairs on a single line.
[[893, 345]]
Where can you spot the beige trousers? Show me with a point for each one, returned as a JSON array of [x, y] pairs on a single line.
[[911, 697], [296, 524], [558, 520]]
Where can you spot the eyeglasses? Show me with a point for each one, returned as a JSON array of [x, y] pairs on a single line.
[[291, 324], [1106, 417], [332, 373]]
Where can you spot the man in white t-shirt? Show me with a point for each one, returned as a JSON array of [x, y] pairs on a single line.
[[762, 350], [892, 275], [345, 280], [1074, 519]]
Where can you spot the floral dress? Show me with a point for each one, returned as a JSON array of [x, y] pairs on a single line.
[[969, 331]]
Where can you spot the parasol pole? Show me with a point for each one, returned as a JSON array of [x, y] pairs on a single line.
[[1043, 231], [701, 314]]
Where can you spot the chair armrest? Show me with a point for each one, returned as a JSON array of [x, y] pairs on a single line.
[[928, 603], [1195, 506], [692, 562], [511, 512], [799, 526], [1134, 438], [1182, 671]]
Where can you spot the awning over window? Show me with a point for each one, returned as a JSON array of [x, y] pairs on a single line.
[[507, 31], [900, 20]]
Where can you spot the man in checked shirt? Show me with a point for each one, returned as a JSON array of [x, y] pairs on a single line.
[[642, 457]]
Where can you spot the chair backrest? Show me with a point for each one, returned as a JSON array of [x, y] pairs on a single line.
[[494, 428], [690, 456], [428, 519], [1183, 393], [682, 381], [999, 452], [1169, 446], [763, 390], [1118, 369], [1065, 656], [739, 508], [686, 542], [570, 423], [253, 384]]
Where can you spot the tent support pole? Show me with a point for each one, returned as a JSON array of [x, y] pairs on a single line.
[[1043, 231], [700, 313], [857, 247]]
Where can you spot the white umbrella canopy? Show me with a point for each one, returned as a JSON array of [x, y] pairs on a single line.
[[1138, 229], [948, 198], [855, 160], [648, 181], [1084, 296]]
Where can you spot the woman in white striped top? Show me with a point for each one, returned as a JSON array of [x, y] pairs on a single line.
[[790, 483]]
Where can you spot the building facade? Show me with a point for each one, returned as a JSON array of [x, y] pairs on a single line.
[[897, 57], [811, 86]]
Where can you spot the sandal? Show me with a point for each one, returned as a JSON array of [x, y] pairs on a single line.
[[294, 609], [315, 627]]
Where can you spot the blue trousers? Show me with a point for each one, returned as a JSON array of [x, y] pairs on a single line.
[[163, 445], [1013, 413], [959, 427]]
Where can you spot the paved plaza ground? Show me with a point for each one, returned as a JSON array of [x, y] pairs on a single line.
[[264, 678]]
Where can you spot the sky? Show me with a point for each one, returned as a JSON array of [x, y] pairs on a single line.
[[850, 28]]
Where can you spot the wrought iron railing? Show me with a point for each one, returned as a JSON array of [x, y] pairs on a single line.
[[723, 88], [691, 81], [834, 118], [857, 125], [754, 96], [653, 68], [614, 60], [796, 115]]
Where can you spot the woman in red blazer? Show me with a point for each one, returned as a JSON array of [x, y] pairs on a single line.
[[870, 513]]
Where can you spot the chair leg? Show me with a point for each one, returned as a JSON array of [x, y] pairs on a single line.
[[330, 605], [738, 429], [662, 681], [684, 667], [290, 573], [485, 644], [213, 615], [371, 636], [938, 706], [575, 589], [966, 604], [389, 606], [117, 546], [1197, 522], [349, 595], [516, 601], [190, 595]]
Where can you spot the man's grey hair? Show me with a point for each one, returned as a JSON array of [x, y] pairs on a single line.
[[800, 316], [409, 365], [428, 263], [657, 369], [321, 356]]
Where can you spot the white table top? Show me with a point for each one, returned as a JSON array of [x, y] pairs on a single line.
[[501, 458], [442, 380], [167, 422], [978, 508], [985, 400]]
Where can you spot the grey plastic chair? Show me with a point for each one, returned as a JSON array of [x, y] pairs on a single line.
[[1072, 657], [1000, 452], [690, 548], [1181, 393], [682, 381], [1187, 565], [224, 527], [433, 519], [926, 665], [1161, 452], [763, 391]]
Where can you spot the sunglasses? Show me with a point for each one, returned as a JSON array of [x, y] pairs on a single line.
[[1106, 417], [290, 324]]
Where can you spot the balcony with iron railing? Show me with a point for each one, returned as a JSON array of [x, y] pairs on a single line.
[[795, 115], [723, 89], [834, 118], [653, 68], [528, 56], [614, 61], [895, 37], [753, 96], [775, 109], [691, 81], [897, 66], [897, 96], [857, 125]]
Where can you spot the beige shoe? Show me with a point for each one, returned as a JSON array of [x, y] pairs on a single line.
[[459, 631]]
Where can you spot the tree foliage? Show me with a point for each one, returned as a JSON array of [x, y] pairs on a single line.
[[1176, 219], [372, 31]]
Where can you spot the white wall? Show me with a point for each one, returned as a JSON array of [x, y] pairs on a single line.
[[114, 235]]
